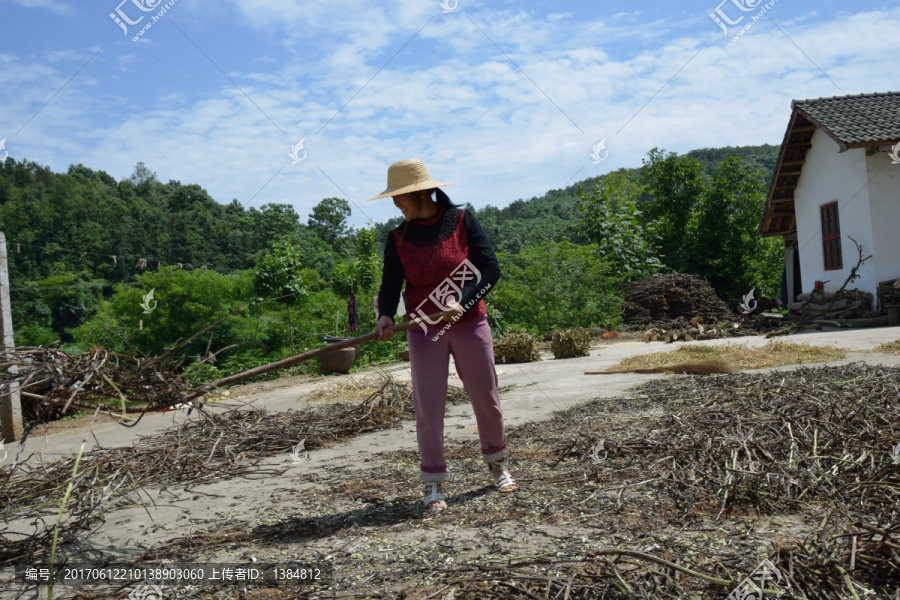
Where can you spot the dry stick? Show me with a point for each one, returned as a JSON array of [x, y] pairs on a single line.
[[853, 276], [569, 585], [122, 398], [209, 357], [520, 590], [619, 552], [134, 486], [80, 387], [103, 409], [178, 345], [119, 335], [620, 583], [221, 435], [293, 360]]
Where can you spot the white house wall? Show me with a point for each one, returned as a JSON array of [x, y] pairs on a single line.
[[830, 175], [884, 198]]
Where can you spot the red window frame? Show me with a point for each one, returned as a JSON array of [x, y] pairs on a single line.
[[831, 236]]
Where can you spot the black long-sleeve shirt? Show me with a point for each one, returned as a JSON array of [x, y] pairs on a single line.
[[426, 252]]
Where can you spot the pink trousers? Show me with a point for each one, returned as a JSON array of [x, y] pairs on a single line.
[[473, 352]]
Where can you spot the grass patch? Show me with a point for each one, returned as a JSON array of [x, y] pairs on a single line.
[[889, 347], [773, 354], [77, 414]]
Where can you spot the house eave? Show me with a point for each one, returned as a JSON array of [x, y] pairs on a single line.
[[778, 216]]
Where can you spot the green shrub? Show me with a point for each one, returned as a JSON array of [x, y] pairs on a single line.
[[556, 286], [35, 335]]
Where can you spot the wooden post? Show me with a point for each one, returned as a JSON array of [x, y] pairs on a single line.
[[11, 426], [893, 311]]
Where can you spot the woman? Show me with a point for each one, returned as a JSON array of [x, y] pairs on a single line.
[[447, 262]]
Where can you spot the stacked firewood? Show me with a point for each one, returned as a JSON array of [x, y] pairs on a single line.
[[695, 330], [667, 297], [847, 304], [888, 293]]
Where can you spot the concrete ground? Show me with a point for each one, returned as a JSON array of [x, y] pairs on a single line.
[[529, 392]]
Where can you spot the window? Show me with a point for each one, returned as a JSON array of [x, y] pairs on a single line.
[[831, 236]]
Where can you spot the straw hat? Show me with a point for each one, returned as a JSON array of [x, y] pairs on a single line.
[[407, 176]]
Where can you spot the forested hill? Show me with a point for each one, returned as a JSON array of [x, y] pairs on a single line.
[[755, 157], [73, 236], [548, 218], [84, 221]]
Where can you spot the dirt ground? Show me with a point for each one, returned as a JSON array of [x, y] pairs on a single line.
[[582, 525]]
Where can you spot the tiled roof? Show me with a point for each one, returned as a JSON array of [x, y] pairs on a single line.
[[855, 120], [861, 121]]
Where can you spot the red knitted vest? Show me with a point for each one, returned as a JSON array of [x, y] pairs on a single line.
[[428, 263]]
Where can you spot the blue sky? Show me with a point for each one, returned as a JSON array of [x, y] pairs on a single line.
[[506, 99]]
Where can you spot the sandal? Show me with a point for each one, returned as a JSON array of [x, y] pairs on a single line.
[[500, 471], [434, 499]]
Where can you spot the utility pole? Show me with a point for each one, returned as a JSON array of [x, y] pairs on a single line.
[[11, 426]]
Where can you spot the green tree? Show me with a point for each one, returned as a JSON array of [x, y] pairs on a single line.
[[183, 302], [762, 157], [59, 303], [610, 218], [674, 186], [707, 226], [274, 222], [141, 174], [317, 254], [280, 276], [360, 273], [722, 237], [328, 219]]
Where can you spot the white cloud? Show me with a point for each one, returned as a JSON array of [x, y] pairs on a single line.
[[449, 98], [57, 7]]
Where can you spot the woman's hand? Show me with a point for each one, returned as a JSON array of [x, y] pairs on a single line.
[[382, 328], [454, 309]]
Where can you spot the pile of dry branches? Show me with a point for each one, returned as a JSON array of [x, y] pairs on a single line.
[[817, 443], [547, 578], [664, 298], [843, 308], [213, 447], [53, 383], [516, 345], [827, 437]]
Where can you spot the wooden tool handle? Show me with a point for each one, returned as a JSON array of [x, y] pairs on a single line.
[[299, 358]]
